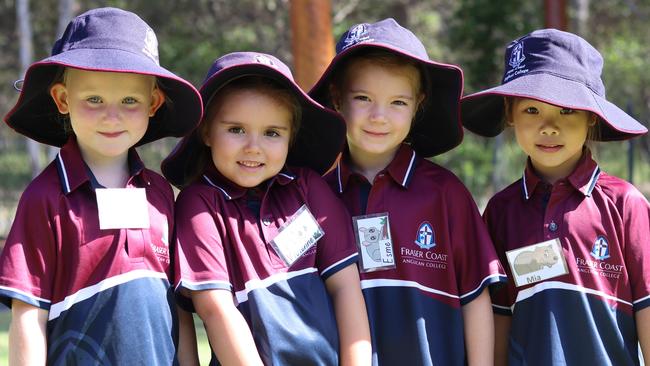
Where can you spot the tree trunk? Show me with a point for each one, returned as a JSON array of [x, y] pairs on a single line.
[[312, 41], [24, 24]]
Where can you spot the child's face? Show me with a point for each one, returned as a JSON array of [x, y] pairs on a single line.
[[378, 104], [552, 136], [109, 111], [248, 136]]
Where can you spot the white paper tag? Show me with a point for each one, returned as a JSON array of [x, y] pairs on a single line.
[[297, 235], [122, 208], [537, 262], [372, 233]]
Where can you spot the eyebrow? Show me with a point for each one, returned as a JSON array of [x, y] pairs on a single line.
[[399, 96], [234, 123]]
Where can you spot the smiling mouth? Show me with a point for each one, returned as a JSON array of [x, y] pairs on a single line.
[[549, 147], [379, 134], [111, 134], [250, 164]]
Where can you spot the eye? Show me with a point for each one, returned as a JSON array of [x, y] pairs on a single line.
[[567, 111], [129, 100], [400, 103], [94, 100], [531, 110], [362, 98], [273, 133], [236, 130]]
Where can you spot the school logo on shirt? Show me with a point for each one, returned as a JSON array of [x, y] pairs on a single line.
[[600, 250], [425, 237], [357, 34]]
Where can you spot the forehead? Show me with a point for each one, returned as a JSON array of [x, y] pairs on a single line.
[[248, 105], [103, 79], [368, 70]]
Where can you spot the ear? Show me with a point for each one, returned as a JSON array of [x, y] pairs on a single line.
[[59, 94], [204, 132], [157, 100], [593, 119], [335, 97]]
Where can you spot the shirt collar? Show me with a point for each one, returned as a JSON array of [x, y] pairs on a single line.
[[73, 171], [401, 168], [583, 178], [231, 191]]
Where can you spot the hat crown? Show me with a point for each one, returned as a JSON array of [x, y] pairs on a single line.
[[236, 59], [558, 53], [109, 28], [386, 32]]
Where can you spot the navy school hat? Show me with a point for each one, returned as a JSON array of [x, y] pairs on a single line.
[[554, 67], [437, 127], [110, 40], [317, 143]]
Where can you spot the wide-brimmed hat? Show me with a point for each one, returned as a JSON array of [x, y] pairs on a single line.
[[437, 127], [554, 67], [110, 40], [316, 144]]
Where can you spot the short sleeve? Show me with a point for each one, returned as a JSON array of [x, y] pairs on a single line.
[[336, 249], [475, 259], [636, 214], [200, 257], [28, 260], [503, 296]]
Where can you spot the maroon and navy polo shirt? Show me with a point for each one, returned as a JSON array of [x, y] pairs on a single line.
[[415, 309], [224, 233], [107, 291], [586, 316]]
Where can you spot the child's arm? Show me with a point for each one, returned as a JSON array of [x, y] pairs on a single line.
[[478, 325], [227, 329], [351, 317], [501, 339], [188, 354], [27, 339], [643, 332]]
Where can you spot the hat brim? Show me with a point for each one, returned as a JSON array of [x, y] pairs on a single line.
[[318, 142], [35, 115], [438, 127], [483, 112]]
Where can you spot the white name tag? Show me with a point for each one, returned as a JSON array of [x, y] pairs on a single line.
[[537, 262], [122, 208], [297, 235], [372, 234]]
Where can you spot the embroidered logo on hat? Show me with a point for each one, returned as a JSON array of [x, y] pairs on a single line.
[[261, 59], [517, 55], [358, 33], [151, 46]]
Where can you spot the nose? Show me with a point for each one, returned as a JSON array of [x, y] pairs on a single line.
[[549, 127], [378, 114], [252, 144], [112, 113]]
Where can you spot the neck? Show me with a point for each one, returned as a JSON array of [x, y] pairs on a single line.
[[368, 164], [110, 173]]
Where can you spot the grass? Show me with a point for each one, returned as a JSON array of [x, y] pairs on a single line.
[[5, 317]]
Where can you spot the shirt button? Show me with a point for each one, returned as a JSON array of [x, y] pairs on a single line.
[[552, 226], [266, 221]]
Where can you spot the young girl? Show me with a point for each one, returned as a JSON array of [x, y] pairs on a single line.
[[573, 238], [86, 266], [427, 259], [265, 250]]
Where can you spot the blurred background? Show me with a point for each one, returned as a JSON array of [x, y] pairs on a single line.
[[470, 33]]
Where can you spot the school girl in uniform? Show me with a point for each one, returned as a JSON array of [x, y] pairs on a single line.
[[574, 239], [88, 282], [427, 259], [265, 249]]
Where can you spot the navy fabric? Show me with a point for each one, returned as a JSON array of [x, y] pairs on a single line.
[[437, 127], [132, 312], [317, 143], [555, 67], [109, 40], [559, 317]]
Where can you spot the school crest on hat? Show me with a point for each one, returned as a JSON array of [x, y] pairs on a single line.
[[517, 56], [356, 34]]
